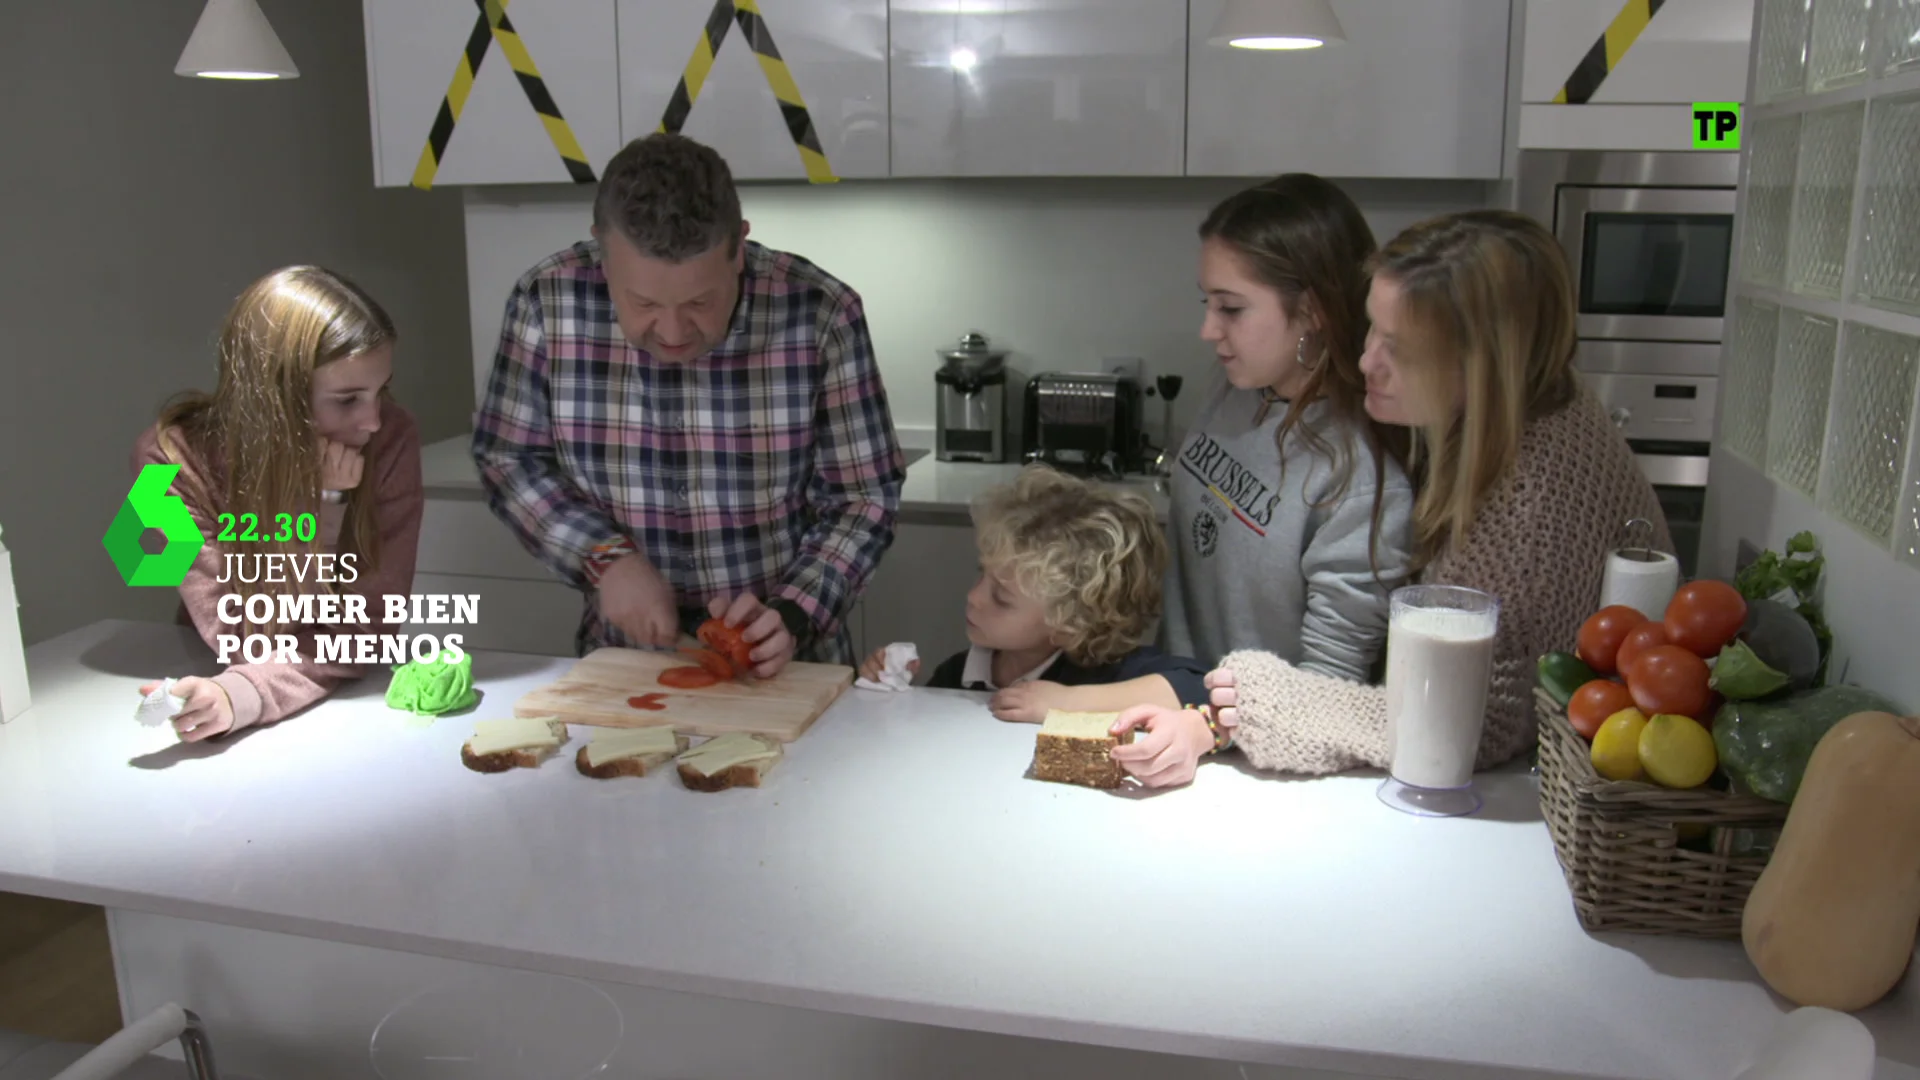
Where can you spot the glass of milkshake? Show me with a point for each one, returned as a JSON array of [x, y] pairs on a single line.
[[1439, 664]]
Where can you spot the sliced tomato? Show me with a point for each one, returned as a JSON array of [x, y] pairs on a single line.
[[688, 678], [728, 641], [720, 666], [649, 702]]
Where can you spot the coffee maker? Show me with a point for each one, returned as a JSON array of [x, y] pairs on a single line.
[[970, 408]]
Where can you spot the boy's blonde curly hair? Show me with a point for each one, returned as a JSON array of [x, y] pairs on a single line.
[[1093, 554]]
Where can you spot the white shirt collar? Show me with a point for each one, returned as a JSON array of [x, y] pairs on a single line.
[[979, 669]]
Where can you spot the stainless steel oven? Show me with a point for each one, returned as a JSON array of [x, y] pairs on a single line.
[[1649, 241], [1661, 396]]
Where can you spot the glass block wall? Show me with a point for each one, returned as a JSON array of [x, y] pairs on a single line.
[[1822, 360]]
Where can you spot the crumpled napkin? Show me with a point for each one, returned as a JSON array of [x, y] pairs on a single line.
[[160, 706], [434, 688], [894, 675]]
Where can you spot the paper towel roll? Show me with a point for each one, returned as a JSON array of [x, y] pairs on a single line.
[[1645, 586]]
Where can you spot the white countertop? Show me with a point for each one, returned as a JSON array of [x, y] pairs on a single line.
[[940, 488], [896, 865]]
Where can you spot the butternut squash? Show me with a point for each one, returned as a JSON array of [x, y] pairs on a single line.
[[1832, 920]]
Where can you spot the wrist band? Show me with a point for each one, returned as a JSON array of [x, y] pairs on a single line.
[[332, 496], [604, 555]]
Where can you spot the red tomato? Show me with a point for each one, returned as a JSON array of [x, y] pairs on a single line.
[[729, 642], [720, 666], [688, 678], [1669, 679], [1704, 616], [1601, 635], [1641, 638], [1590, 705]]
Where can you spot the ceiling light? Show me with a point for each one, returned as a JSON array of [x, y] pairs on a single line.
[[233, 40], [1276, 24]]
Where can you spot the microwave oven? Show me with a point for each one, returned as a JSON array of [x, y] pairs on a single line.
[[1648, 238]]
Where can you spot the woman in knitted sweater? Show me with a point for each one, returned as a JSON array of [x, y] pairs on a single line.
[[1526, 485]]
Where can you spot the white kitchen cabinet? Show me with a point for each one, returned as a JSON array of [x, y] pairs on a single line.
[[835, 51], [1688, 52], [413, 52], [1416, 90], [919, 591], [1038, 88]]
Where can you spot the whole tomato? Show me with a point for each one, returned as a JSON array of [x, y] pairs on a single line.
[[1670, 679], [1704, 615], [1641, 638], [1601, 635], [1593, 703]]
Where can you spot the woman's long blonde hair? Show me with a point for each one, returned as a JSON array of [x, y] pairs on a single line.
[[1488, 308], [259, 419]]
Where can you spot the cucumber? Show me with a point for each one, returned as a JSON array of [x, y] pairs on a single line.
[[1764, 745], [1563, 673]]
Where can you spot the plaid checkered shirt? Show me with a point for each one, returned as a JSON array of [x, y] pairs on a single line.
[[769, 466]]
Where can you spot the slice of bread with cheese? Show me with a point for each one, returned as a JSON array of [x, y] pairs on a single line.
[[519, 742], [629, 752], [1073, 748], [735, 759]]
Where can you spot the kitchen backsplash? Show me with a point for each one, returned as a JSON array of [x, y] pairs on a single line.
[[1061, 272]]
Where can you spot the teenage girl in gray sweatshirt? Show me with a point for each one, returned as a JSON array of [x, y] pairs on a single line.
[[1291, 512]]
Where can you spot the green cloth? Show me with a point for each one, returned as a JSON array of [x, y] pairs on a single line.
[[433, 688]]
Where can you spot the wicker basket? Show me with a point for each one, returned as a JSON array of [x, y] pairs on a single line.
[[1620, 844]]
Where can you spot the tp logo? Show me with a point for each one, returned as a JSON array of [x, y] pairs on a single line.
[[1716, 125], [148, 506]]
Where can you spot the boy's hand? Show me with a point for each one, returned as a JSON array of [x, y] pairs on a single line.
[[1170, 753], [872, 667], [1028, 702]]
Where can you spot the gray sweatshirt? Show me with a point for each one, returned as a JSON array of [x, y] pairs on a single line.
[[1257, 564]]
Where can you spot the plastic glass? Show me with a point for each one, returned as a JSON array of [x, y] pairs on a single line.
[[502, 1025], [1439, 665]]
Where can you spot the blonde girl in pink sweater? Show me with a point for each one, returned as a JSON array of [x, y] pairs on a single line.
[[300, 422], [1524, 486]]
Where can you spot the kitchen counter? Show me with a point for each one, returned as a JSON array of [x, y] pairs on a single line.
[[896, 865], [935, 490]]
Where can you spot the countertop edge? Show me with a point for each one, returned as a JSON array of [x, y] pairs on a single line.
[[1085, 1032]]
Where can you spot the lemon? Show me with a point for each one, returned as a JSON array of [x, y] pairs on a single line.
[[1616, 745], [1676, 751]]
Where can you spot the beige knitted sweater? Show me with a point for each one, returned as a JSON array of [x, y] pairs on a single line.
[[1540, 546]]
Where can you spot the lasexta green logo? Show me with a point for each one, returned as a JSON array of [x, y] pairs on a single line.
[[148, 506], [1716, 125]]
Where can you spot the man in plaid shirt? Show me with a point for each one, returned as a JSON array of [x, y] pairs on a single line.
[[683, 423]]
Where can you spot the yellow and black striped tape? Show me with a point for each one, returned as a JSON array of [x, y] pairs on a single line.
[[793, 109], [493, 26], [1605, 53]]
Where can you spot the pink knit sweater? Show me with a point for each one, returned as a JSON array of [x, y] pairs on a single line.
[[1540, 545], [264, 693]]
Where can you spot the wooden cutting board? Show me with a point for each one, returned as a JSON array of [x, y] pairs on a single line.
[[596, 690]]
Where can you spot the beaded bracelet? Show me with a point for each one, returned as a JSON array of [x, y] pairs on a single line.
[[1222, 737]]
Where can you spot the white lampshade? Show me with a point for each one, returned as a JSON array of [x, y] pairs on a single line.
[[233, 40], [1276, 24]]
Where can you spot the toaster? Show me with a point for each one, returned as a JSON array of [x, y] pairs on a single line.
[[1085, 423]]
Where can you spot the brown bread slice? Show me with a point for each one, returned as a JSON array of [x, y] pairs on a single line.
[[1074, 748]]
